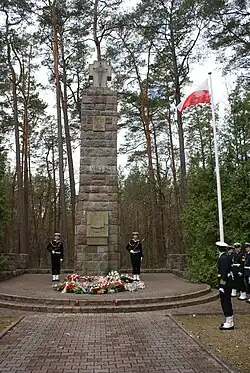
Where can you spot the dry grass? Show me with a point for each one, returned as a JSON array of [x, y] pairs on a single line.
[[232, 346], [5, 321]]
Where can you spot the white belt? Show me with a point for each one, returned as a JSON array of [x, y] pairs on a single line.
[[247, 267], [235, 265], [228, 275]]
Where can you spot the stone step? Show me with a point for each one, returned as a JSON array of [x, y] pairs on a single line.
[[114, 308], [79, 300]]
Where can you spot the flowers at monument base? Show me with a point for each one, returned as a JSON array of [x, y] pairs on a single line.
[[112, 283], [133, 286]]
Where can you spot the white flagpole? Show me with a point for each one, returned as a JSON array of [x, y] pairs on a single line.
[[217, 168]]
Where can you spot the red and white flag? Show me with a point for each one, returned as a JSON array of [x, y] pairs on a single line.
[[200, 96]]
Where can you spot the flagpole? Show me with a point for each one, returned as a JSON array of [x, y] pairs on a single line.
[[217, 168]]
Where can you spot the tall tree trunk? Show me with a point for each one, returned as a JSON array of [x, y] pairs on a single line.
[[64, 98], [178, 226], [14, 81], [26, 99], [183, 172], [55, 223], [146, 121], [95, 24], [63, 210], [151, 176], [162, 243], [26, 181]]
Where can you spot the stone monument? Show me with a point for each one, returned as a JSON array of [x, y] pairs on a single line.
[[97, 202]]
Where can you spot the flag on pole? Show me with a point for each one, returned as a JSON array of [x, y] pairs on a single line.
[[204, 95], [200, 96]]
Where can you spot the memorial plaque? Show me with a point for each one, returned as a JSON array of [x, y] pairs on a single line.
[[97, 224], [99, 123]]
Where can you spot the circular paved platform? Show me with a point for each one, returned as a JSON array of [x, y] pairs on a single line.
[[34, 292], [157, 285]]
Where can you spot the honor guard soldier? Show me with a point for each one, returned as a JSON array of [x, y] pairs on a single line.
[[238, 263], [135, 248], [55, 247], [231, 253], [225, 285], [247, 269]]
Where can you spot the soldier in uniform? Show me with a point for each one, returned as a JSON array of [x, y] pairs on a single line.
[[231, 253], [225, 285], [55, 247], [247, 269], [238, 272], [134, 246]]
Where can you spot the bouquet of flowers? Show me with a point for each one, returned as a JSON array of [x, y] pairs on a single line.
[[112, 283]]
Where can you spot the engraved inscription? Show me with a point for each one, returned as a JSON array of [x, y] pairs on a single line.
[[99, 123], [97, 224]]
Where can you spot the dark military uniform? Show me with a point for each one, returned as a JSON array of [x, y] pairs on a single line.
[[56, 250], [225, 285], [238, 263], [247, 269], [135, 249], [231, 255]]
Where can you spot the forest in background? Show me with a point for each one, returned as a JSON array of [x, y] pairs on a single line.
[[168, 191]]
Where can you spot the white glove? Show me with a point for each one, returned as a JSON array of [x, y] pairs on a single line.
[[132, 251], [240, 274], [221, 290], [61, 260], [141, 259], [53, 252]]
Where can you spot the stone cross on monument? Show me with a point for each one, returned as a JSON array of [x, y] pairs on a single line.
[[100, 72], [97, 202]]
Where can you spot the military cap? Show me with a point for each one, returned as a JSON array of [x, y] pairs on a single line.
[[221, 244], [237, 244]]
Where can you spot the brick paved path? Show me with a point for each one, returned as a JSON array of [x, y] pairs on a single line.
[[105, 343]]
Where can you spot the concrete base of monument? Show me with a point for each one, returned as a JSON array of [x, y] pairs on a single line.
[[34, 292]]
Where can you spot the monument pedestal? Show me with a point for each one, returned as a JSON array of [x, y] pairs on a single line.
[[97, 203]]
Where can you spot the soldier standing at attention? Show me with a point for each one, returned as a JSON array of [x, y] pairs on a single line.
[[225, 285], [135, 248], [238, 272], [55, 247], [231, 253], [247, 269]]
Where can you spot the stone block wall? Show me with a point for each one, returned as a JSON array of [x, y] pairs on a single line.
[[14, 261], [97, 202], [176, 262], [12, 264]]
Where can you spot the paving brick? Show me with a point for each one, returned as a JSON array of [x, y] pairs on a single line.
[[96, 343]]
